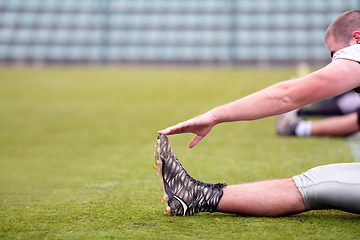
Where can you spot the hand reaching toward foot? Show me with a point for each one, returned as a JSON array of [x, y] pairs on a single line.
[[200, 125]]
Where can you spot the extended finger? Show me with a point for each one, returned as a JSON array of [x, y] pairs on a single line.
[[195, 141], [177, 129]]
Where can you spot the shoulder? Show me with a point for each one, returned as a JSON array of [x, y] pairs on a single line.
[[337, 77]]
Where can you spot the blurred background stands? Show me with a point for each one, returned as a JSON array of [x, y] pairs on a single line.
[[216, 32]]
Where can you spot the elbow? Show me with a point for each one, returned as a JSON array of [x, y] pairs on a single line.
[[287, 104], [288, 101], [285, 99], [296, 93]]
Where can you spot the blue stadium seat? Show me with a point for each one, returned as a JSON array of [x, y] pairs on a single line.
[[9, 18], [114, 53], [91, 5], [4, 49], [38, 51], [11, 5], [93, 53], [245, 5], [27, 19], [244, 53], [23, 36], [56, 52], [75, 53], [280, 52], [318, 52], [19, 51], [301, 6], [6, 35]]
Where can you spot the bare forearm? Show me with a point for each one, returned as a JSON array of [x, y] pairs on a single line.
[[271, 101], [279, 98]]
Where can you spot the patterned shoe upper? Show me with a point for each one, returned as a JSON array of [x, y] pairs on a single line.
[[183, 194]]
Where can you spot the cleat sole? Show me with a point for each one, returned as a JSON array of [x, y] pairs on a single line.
[[158, 165], [165, 198], [167, 210]]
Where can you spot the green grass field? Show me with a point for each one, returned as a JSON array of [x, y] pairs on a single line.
[[76, 158]]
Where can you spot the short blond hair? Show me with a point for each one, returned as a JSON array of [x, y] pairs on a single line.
[[342, 28]]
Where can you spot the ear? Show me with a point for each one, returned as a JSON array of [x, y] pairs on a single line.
[[356, 36]]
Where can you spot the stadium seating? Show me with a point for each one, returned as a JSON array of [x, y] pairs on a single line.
[[166, 31]]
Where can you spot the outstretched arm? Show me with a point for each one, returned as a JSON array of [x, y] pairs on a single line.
[[336, 78]]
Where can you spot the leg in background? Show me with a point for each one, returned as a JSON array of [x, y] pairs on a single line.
[[336, 126]]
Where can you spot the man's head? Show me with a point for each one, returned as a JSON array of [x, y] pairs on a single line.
[[343, 32]]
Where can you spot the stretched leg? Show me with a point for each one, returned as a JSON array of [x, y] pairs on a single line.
[[324, 108], [340, 105], [339, 126], [336, 126], [265, 198], [184, 195], [335, 186]]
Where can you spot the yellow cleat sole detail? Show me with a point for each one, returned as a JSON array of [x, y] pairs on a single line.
[[167, 210], [165, 198]]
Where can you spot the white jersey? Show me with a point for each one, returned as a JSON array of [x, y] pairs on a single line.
[[349, 53]]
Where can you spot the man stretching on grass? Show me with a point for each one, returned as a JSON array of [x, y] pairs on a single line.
[[335, 186]]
